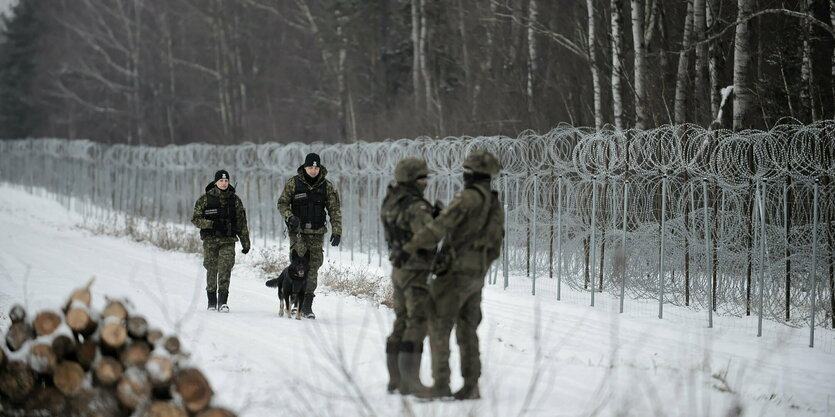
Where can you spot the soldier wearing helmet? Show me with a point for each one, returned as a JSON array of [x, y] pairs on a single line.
[[472, 228], [405, 212]]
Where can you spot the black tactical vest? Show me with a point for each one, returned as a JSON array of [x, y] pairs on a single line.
[[309, 204], [216, 211]]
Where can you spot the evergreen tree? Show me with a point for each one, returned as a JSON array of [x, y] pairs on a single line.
[[18, 51]]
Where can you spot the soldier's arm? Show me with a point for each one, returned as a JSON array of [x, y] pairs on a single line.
[[334, 211], [197, 217], [286, 197], [240, 216], [449, 219], [419, 215]]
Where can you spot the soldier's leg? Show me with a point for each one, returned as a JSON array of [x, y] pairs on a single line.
[[226, 260], [314, 244], [445, 302], [210, 263], [469, 317], [394, 339], [418, 307]]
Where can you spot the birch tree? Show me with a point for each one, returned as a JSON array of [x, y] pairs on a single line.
[[595, 71], [532, 58], [743, 96], [683, 75], [617, 65], [641, 116]]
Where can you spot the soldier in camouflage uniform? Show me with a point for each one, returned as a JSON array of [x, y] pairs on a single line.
[[303, 203], [221, 218], [472, 228], [404, 213]]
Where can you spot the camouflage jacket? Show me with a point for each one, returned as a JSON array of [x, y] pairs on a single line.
[[332, 203], [472, 228], [405, 209], [225, 197]]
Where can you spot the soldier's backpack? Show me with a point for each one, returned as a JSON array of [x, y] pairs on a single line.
[[490, 237], [394, 204]]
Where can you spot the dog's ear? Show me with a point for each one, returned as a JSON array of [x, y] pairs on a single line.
[[294, 255], [307, 256]]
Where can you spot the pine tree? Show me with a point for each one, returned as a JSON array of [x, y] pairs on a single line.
[[18, 114]]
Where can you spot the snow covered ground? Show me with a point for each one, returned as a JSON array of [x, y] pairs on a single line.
[[541, 357]]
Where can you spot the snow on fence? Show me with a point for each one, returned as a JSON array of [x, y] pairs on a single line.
[[742, 222]]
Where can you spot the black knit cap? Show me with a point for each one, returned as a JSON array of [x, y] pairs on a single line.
[[222, 174], [312, 160]]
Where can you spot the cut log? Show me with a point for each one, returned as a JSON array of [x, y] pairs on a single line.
[[42, 359], [172, 345], [194, 389], [216, 412], [107, 371], [137, 327], [164, 409], [69, 378], [160, 370], [64, 348], [81, 295], [46, 401], [16, 381], [17, 313], [80, 321], [134, 388], [46, 322], [154, 336], [136, 354], [96, 402], [113, 334], [18, 334], [115, 309], [86, 353]]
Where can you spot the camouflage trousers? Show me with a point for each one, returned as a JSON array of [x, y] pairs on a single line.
[[315, 244], [412, 307], [457, 299], [218, 259]]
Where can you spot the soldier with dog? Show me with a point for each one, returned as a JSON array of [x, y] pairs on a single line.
[[221, 218], [404, 213], [472, 228], [307, 200]]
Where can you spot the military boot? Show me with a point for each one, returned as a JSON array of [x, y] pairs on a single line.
[[393, 367], [408, 360], [439, 390], [221, 302], [212, 300], [307, 307], [468, 392]]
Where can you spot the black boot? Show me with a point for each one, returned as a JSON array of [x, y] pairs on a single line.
[[468, 392], [307, 307], [212, 300], [391, 363], [408, 360], [221, 302]]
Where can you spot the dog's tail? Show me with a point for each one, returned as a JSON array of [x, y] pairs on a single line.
[[273, 282]]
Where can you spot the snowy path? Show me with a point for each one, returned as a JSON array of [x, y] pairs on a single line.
[[540, 358]]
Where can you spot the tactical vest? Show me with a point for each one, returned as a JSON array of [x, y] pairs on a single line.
[[309, 204], [216, 211], [488, 236], [393, 205]]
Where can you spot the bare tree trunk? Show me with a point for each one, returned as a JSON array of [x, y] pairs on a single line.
[[532, 67], [713, 58], [465, 52], [641, 117], [806, 75], [595, 71], [342, 91], [617, 67], [682, 76], [487, 66], [424, 67], [416, 48], [832, 22], [701, 95], [743, 96]]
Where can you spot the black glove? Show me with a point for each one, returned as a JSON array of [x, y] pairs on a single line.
[[398, 258], [335, 240], [245, 251], [293, 222], [437, 208]]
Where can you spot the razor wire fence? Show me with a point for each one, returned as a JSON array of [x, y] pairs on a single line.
[[735, 222]]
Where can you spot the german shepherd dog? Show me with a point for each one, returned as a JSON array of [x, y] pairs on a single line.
[[291, 284]]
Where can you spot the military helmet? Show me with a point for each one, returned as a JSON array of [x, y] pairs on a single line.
[[482, 162], [410, 169]]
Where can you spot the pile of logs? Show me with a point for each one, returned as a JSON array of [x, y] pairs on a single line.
[[81, 362]]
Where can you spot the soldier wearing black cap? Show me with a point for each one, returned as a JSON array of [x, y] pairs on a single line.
[[307, 200], [221, 218]]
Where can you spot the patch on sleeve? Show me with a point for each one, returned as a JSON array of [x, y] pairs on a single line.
[[424, 207]]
